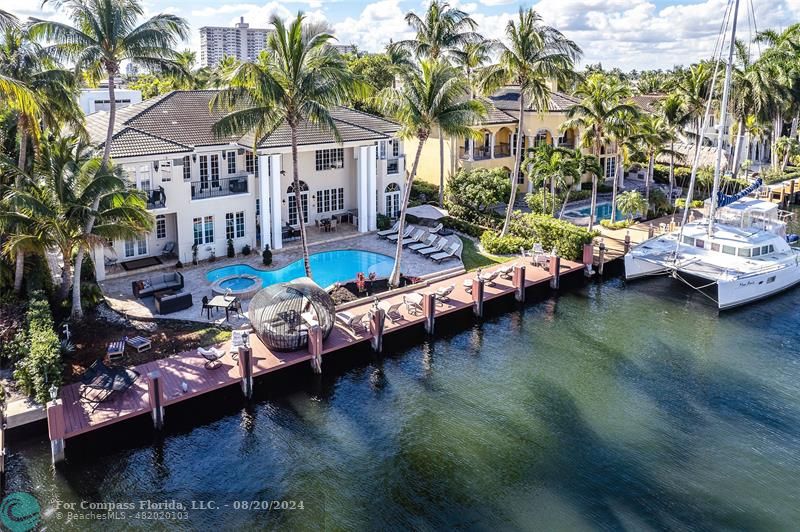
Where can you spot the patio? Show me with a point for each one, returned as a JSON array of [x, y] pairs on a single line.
[[119, 295]]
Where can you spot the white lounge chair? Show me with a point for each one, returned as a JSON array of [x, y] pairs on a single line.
[[387, 232], [425, 243], [506, 272], [355, 322], [443, 294], [436, 248], [451, 252], [406, 233], [392, 310], [415, 237], [413, 303], [212, 356], [489, 277]]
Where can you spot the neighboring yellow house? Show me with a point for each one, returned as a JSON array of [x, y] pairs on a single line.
[[496, 148]]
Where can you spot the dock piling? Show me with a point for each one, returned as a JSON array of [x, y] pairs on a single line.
[[477, 297], [588, 259], [627, 247], [602, 247], [315, 348], [156, 394], [554, 266], [429, 311], [56, 429], [791, 191], [377, 319], [2, 453], [519, 282], [246, 370], [651, 230]]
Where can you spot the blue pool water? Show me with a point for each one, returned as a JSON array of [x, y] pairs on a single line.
[[327, 268], [237, 283], [602, 212]]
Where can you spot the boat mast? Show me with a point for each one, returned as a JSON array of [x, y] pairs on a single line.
[[723, 117]]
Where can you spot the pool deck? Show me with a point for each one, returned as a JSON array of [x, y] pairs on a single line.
[[69, 416]]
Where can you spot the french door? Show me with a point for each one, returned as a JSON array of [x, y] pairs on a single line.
[[293, 208], [135, 247]]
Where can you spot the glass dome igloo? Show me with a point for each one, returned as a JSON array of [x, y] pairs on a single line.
[[282, 313]]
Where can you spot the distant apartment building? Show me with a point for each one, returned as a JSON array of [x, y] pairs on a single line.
[[94, 100], [241, 41]]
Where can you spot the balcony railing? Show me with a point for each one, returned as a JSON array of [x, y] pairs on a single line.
[[216, 188], [156, 199], [393, 166], [502, 149], [480, 153]]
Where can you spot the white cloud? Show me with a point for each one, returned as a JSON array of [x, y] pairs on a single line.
[[377, 24]]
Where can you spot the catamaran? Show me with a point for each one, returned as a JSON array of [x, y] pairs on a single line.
[[738, 252]]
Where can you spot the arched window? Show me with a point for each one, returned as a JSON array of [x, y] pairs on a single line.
[[392, 200], [392, 187], [542, 137], [303, 187]]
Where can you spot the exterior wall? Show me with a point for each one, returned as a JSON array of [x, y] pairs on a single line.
[[95, 100]]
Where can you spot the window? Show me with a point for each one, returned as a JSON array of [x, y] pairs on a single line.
[[292, 203], [165, 169], [187, 168], [396, 148], [215, 171], [392, 200], [240, 224], [258, 207], [208, 226], [520, 178], [229, 226], [231, 162], [203, 172], [729, 250], [540, 138], [161, 226], [327, 159], [714, 247], [689, 241], [766, 249], [699, 243], [330, 200], [203, 230], [756, 252], [744, 252], [250, 163], [610, 166], [198, 231]]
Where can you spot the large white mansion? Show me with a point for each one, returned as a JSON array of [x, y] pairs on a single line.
[[204, 190]]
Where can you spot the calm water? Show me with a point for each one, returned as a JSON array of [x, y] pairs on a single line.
[[327, 268], [613, 407], [602, 212]]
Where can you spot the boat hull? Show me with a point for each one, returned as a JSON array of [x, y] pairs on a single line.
[[748, 289], [636, 268]]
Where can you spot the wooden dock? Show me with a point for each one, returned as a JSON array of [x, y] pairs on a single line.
[[68, 416]]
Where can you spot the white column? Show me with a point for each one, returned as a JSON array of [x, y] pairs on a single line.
[[275, 200], [263, 189], [99, 260], [471, 149], [362, 188], [491, 144], [372, 189]]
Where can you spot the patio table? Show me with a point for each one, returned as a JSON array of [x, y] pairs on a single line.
[[225, 302]]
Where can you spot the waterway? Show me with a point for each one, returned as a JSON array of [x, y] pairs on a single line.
[[611, 407]]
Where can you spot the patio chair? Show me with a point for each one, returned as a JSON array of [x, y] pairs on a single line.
[[506, 272], [467, 284], [451, 253], [332, 226], [110, 258], [413, 303], [436, 248], [212, 356], [393, 311], [140, 343], [169, 249], [100, 382], [488, 277], [406, 233], [436, 229], [355, 322], [415, 238], [425, 243], [442, 294], [206, 307], [387, 232]]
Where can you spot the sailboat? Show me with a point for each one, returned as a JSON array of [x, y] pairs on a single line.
[[738, 252]]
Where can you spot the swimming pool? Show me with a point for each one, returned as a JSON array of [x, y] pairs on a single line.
[[602, 212], [327, 268]]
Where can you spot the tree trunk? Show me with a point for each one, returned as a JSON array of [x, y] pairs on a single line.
[[552, 195], [66, 273], [614, 186], [564, 205], [112, 115], [77, 311], [394, 278], [441, 168], [22, 161], [737, 149], [298, 198], [593, 206], [517, 163], [648, 177], [792, 133]]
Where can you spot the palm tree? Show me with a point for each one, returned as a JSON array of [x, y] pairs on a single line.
[[652, 134], [435, 95], [442, 33], [536, 54], [693, 88], [22, 60], [603, 109], [297, 80], [630, 203], [67, 187], [586, 164], [673, 112], [556, 165], [476, 54]]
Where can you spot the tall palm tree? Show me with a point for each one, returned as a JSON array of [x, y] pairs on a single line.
[[556, 165], [653, 135], [535, 55], [105, 33], [54, 90], [435, 95], [476, 54], [297, 80], [675, 116], [442, 32], [67, 187], [693, 87], [602, 110], [586, 164]]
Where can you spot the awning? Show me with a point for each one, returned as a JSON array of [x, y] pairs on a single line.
[[430, 212]]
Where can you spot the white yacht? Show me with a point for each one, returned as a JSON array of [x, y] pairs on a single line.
[[744, 259]]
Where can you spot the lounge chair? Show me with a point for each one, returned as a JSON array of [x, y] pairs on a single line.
[[168, 250], [427, 242], [415, 238], [99, 382], [538, 256], [436, 248], [451, 253], [387, 232], [413, 303], [436, 229], [506, 272], [442, 294], [489, 277], [115, 350], [406, 233], [140, 343], [468, 285], [355, 322], [393, 311], [212, 356]]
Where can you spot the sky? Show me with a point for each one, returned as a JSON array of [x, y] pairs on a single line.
[[629, 34]]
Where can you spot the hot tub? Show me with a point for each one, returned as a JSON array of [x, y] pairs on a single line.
[[241, 285]]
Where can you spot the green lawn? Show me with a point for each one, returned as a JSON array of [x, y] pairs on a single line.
[[474, 259]]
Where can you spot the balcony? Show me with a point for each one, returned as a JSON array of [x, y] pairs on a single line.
[[479, 153], [217, 188], [502, 149], [393, 166], [156, 199]]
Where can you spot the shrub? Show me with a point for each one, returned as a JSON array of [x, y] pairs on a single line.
[[231, 252], [622, 224], [462, 226], [384, 222], [542, 202], [423, 192], [479, 189], [493, 243], [91, 296], [680, 203], [490, 219], [566, 238], [41, 366], [266, 256], [246, 250], [659, 204]]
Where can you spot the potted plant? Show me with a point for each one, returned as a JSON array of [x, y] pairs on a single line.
[[231, 251], [246, 250], [266, 256], [194, 254], [213, 256]]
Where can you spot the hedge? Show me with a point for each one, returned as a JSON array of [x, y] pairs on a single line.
[[622, 224], [468, 228], [503, 245], [40, 368], [526, 229]]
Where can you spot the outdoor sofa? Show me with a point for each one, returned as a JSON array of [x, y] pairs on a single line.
[[168, 303], [157, 282]]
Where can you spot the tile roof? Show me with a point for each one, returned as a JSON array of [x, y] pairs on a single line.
[[647, 102], [182, 120], [507, 99]]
